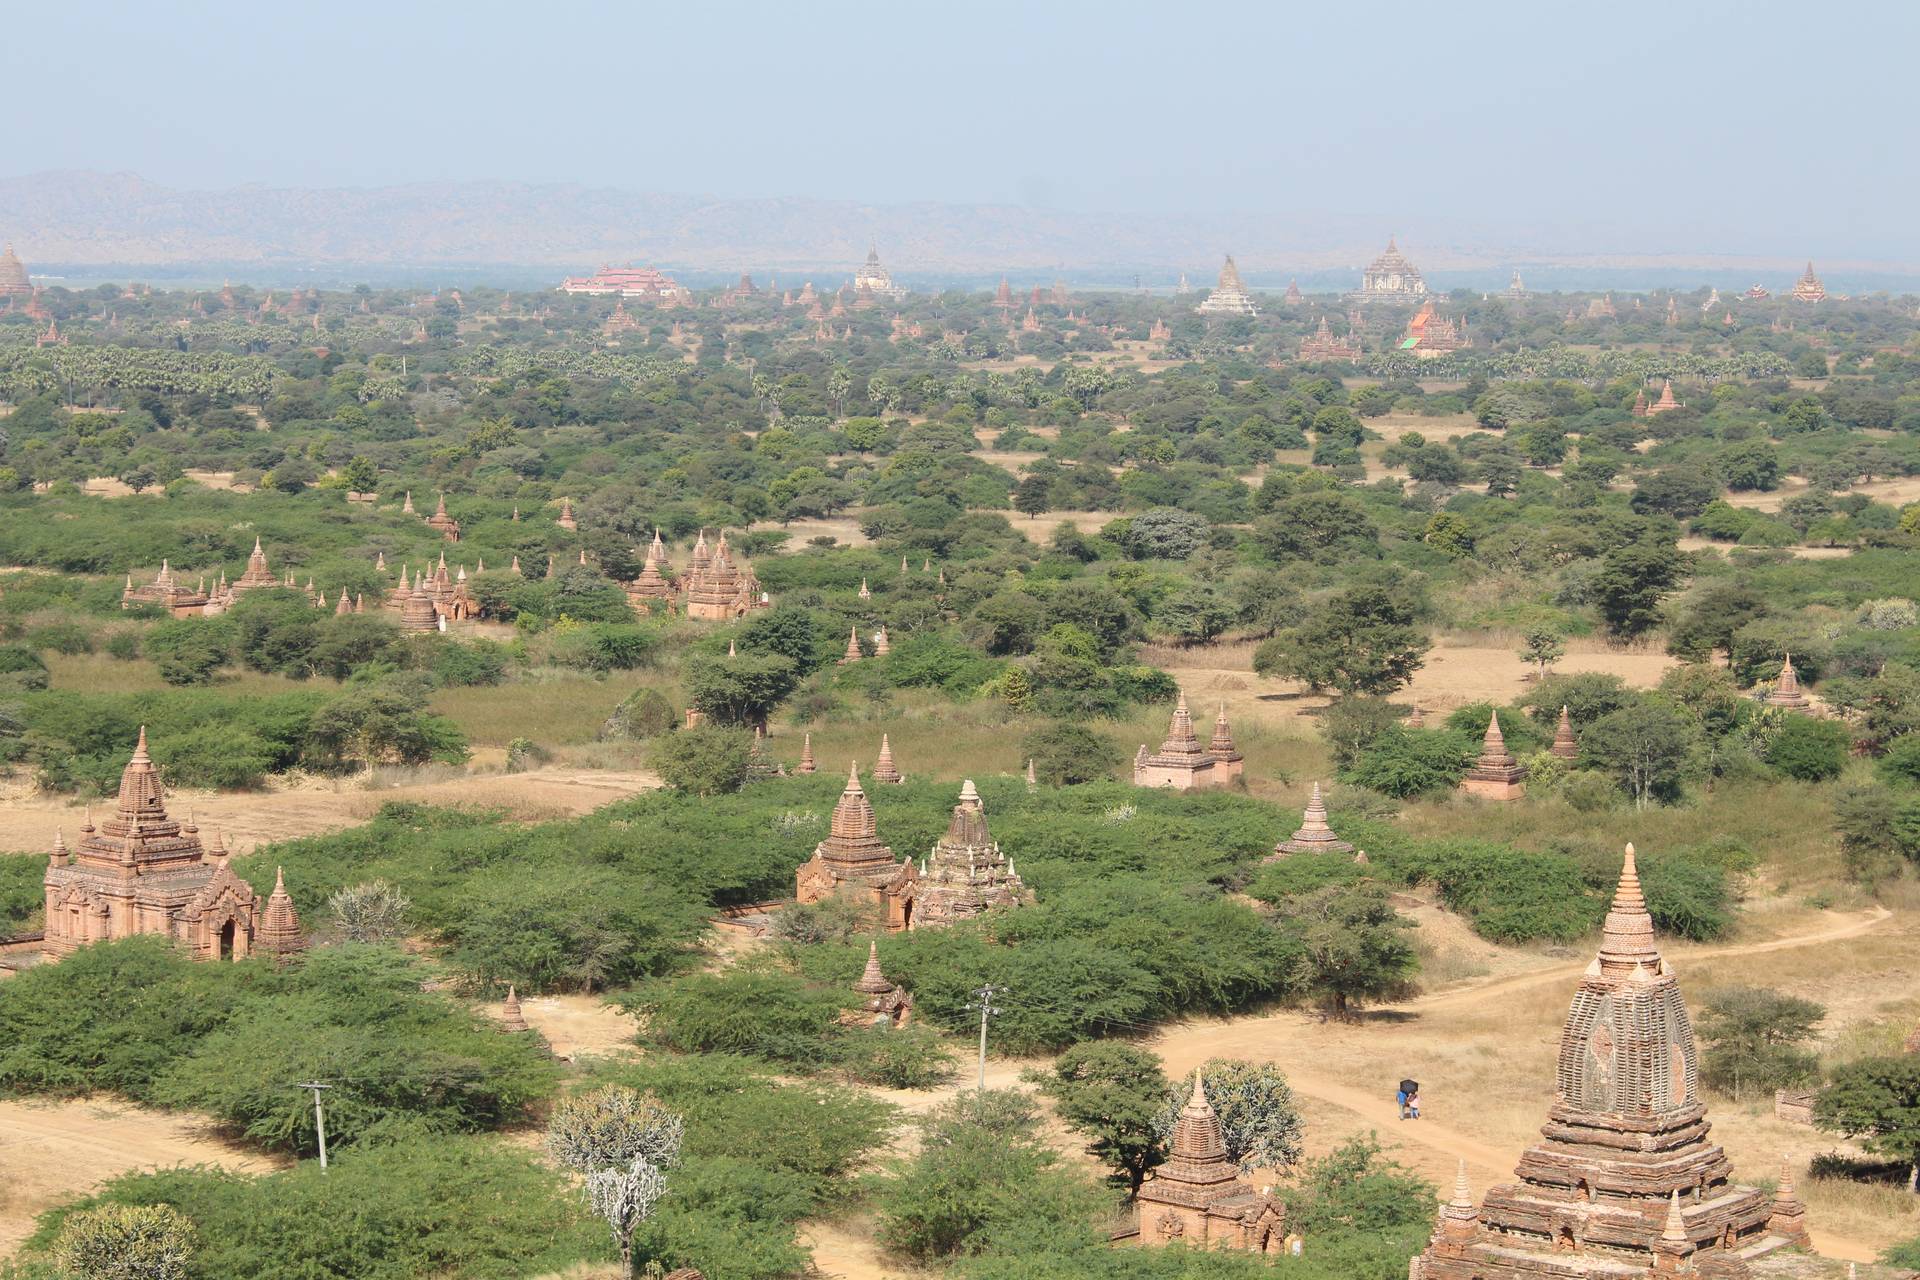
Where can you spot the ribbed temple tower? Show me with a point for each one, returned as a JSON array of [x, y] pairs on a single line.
[[1496, 775], [1228, 763], [1182, 762], [279, 931], [966, 874], [852, 859], [141, 872], [1196, 1198], [1314, 835], [884, 769], [652, 583], [1624, 1181]]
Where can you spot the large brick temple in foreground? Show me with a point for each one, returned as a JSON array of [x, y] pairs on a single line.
[[1624, 1182]]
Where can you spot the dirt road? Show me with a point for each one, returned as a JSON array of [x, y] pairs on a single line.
[[51, 1152]]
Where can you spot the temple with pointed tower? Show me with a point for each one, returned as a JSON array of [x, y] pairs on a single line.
[[1808, 287], [1182, 762], [1228, 763], [1196, 1198], [442, 523], [1314, 835], [1322, 345], [1229, 296], [652, 584], [1786, 691], [966, 874], [718, 590], [141, 872], [853, 861], [884, 769], [1496, 775], [1624, 1182], [873, 280], [1390, 278], [1666, 403]]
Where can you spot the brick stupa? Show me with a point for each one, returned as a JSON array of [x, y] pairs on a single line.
[[1228, 763], [1182, 762], [1565, 745], [852, 860], [1624, 1182], [1786, 690], [1196, 1197], [1314, 835], [1496, 775]]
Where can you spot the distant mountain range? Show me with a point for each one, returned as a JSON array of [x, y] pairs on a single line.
[[88, 225]]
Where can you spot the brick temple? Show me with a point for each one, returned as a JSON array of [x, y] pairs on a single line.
[[1196, 1197], [141, 872], [1624, 1182], [1183, 762]]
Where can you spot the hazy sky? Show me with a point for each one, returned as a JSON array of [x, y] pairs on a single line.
[[1621, 125]]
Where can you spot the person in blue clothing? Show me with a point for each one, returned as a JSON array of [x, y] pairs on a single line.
[[1408, 1098]]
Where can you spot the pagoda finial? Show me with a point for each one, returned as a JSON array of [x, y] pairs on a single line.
[[1199, 1095], [140, 749], [1462, 1193], [1627, 940], [1676, 1228]]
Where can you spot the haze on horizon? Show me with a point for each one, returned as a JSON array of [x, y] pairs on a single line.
[[1635, 127]]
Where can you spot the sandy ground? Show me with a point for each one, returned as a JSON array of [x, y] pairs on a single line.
[[247, 819], [52, 1152], [1897, 491], [579, 1025], [1798, 553]]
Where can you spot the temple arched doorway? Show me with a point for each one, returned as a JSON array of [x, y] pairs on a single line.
[[227, 932]]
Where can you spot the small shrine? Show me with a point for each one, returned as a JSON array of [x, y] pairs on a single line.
[[565, 520], [442, 523], [1314, 835], [966, 874], [1565, 745], [884, 1003], [1196, 1197], [1293, 297], [1624, 1182], [1496, 775], [1786, 691], [852, 860], [141, 872], [884, 770], [1181, 762], [652, 583], [1666, 403], [1228, 763], [1229, 296]]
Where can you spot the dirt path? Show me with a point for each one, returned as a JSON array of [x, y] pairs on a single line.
[[52, 1152], [245, 819]]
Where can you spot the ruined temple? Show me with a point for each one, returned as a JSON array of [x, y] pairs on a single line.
[[442, 523], [1314, 835], [1229, 296], [141, 872], [884, 1003], [1228, 763], [1182, 762], [652, 583], [1624, 1182], [1196, 1197], [14, 282], [966, 874], [1496, 775], [176, 597], [853, 861]]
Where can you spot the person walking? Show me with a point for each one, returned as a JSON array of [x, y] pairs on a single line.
[[1407, 1098]]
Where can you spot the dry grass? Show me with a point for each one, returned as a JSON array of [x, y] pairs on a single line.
[[553, 708], [98, 673]]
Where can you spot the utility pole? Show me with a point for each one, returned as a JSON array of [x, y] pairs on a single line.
[[319, 1116], [983, 1001]]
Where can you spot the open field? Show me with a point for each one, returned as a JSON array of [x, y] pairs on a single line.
[[51, 1152]]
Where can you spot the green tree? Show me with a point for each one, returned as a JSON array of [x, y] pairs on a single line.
[[1754, 1039], [188, 651], [1809, 749], [1542, 646], [381, 725], [1353, 946], [360, 473], [1320, 526], [1644, 749], [1112, 1093], [707, 760], [743, 689], [1631, 583], [1195, 614], [126, 1242], [1065, 754], [1351, 725], [1260, 1123], [1708, 621], [1361, 640], [1876, 1101]]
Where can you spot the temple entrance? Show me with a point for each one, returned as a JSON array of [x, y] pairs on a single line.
[[226, 940]]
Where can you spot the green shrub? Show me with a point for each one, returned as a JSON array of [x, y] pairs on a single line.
[[21, 669], [896, 1058], [124, 645], [61, 637], [1068, 754], [1808, 749], [762, 1015], [643, 714], [475, 662], [707, 760], [1409, 762]]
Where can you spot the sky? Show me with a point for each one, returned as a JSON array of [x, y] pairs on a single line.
[[1622, 126]]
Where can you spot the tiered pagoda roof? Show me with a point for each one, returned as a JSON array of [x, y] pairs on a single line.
[[1390, 277], [1565, 745], [1624, 1182], [966, 874], [1786, 690], [1314, 835], [1229, 296], [1808, 287]]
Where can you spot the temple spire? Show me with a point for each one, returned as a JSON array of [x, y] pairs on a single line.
[[1627, 942]]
